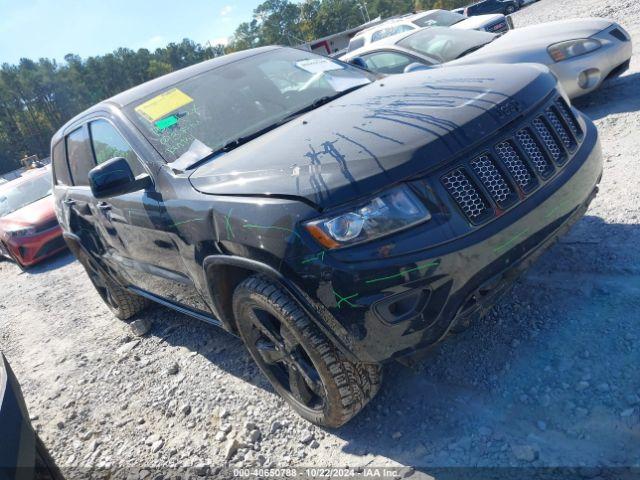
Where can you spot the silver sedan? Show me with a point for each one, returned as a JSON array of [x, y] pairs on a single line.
[[582, 53]]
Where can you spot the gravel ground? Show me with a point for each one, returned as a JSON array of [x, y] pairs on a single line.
[[549, 378]]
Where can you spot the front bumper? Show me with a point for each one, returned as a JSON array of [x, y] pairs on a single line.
[[609, 60], [380, 315], [28, 251]]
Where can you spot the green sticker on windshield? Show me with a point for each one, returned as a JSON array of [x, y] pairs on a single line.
[[166, 122]]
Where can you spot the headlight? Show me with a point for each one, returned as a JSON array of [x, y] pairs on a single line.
[[21, 232], [389, 212], [573, 48]]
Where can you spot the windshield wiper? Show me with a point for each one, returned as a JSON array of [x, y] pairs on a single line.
[[473, 49], [236, 142], [319, 102]]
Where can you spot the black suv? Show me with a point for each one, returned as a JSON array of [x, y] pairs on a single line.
[[331, 218], [484, 7]]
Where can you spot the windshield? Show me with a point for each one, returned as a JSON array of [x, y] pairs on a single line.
[[240, 99], [439, 18], [15, 197], [445, 44]]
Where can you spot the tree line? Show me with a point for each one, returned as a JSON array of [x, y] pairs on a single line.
[[37, 97]]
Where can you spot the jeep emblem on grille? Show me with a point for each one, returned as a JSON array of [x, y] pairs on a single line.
[[508, 108]]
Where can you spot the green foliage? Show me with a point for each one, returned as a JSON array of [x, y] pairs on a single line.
[[289, 22], [36, 98]]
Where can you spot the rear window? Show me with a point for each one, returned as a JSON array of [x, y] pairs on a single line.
[[60, 167], [439, 18], [355, 43], [445, 44], [80, 156], [389, 31]]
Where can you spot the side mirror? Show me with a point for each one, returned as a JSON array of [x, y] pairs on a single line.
[[415, 66], [359, 62], [114, 177]]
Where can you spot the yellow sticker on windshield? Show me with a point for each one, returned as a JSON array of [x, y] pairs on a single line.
[[163, 104]]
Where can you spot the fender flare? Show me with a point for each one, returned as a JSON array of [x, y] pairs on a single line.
[[290, 287]]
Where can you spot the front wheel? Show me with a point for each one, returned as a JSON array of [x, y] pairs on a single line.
[[121, 302], [301, 363], [509, 10]]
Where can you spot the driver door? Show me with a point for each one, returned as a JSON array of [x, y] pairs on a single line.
[[135, 226]]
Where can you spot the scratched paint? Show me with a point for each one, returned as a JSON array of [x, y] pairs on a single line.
[[560, 206], [340, 299], [267, 227], [227, 224], [511, 241], [316, 257], [403, 272]]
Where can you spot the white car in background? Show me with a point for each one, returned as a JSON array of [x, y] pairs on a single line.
[[582, 53], [494, 23]]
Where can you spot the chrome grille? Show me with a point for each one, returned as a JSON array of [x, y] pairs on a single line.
[[517, 168], [492, 179], [517, 165], [466, 195]]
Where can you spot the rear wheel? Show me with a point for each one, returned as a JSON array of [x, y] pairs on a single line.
[[121, 302], [509, 10], [301, 363]]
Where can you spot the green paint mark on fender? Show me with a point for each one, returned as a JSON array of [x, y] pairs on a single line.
[[227, 224], [187, 221], [318, 256], [404, 272], [166, 122], [556, 208], [284, 229], [342, 299], [511, 241]]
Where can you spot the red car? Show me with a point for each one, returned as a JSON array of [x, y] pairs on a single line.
[[29, 230]]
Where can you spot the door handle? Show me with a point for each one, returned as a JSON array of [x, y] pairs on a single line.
[[69, 202], [104, 206]]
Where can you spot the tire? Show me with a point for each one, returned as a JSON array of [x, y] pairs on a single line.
[[121, 302], [302, 364], [509, 10]]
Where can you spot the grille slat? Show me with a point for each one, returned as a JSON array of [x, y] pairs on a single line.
[[549, 140], [561, 130], [492, 180], [516, 167], [569, 118], [535, 154], [466, 195]]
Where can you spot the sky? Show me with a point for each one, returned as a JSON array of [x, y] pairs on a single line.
[[54, 28]]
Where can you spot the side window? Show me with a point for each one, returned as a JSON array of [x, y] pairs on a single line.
[[355, 43], [108, 143], [60, 167], [79, 156], [387, 62]]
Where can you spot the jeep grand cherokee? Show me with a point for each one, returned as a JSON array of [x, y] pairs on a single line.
[[332, 219]]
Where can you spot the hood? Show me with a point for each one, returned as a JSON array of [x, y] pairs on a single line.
[[544, 35], [388, 131], [479, 22], [32, 215]]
